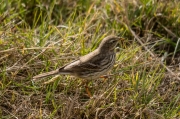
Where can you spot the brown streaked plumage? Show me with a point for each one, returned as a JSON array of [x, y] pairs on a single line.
[[92, 65]]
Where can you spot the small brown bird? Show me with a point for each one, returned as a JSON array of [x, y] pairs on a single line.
[[91, 66]]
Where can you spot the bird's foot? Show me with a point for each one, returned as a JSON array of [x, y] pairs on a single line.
[[105, 77]]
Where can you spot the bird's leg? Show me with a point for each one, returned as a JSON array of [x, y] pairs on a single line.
[[85, 84], [87, 90]]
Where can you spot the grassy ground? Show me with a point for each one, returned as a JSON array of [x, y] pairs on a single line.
[[40, 36]]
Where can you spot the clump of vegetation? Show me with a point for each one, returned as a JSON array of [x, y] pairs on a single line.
[[39, 36]]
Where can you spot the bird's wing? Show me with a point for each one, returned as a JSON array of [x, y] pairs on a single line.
[[89, 65], [92, 63]]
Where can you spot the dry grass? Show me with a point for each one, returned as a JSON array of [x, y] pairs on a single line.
[[39, 36]]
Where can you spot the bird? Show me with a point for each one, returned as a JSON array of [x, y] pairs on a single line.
[[90, 66]]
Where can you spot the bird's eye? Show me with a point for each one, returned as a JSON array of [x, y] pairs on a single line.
[[113, 41]]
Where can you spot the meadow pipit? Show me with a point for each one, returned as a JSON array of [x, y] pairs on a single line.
[[91, 66]]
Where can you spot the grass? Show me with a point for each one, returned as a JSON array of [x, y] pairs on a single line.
[[40, 36]]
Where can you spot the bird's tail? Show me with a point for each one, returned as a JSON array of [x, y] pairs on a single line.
[[55, 72]]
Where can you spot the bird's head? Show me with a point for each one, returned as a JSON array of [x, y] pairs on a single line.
[[109, 43]]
